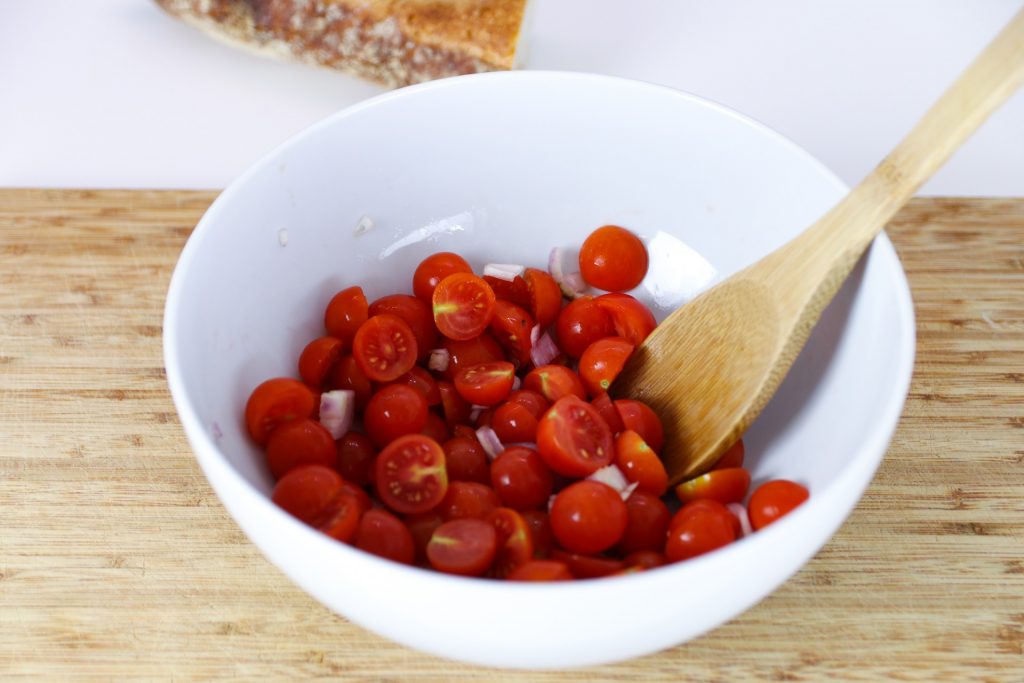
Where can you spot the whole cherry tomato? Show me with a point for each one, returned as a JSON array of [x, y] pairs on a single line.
[[774, 499], [466, 460], [521, 479], [613, 259], [306, 491], [588, 517], [630, 318], [639, 417], [648, 523], [394, 411], [514, 423], [346, 311], [432, 270], [318, 358]]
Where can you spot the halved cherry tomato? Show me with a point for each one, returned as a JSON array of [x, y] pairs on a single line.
[[514, 291], [640, 463], [588, 566], [468, 499], [318, 358], [541, 570], [416, 315], [346, 374], [515, 545], [728, 485], [463, 306], [465, 432], [394, 411], [306, 491], [639, 417], [340, 519], [384, 535], [774, 499], [531, 400], [630, 318], [648, 523], [456, 409], [300, 442], [486, 384], [464, 353], [355, 457], [411, 475], [466, 460], [732, 457], [432, 270], [699, 529], [436, 428], [463, 546], [545, 296], [521, 479], [384, 347], [512, 325], [602, 362], [645, 559], [421, 527], [422, 381], [588, 517], [573, 439], [514, 423], [613, 258], [275, 402], [540, 532], [582, 323], [345, 312], [553, 382], [604, 405]]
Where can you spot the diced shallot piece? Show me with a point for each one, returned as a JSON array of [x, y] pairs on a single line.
[[741, 514], [563, 264], [337, 411], [439, 360], [490, 442], [504, 271], [612, 476], [544, 349]]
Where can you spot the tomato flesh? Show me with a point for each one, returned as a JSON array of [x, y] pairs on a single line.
[[432, 270], [602, 362], [486, 384], [463, 306], [416, 315], [630, 318], [384, 347], [394, 411], [512, 325], [463, 546], [640, 463], [572, 438], [411, 475]]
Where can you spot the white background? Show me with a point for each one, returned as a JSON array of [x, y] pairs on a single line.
[[114, 93]]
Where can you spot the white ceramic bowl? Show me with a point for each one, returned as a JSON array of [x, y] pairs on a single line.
[[502, 167]]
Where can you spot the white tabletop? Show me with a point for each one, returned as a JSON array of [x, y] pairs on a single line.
[[114, 93]]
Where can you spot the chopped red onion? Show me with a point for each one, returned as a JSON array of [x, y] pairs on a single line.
[[337, 411], [562, 264], [612, 476], [741, 514], [544, 350], [439, 360], [628, 491], [488, 438], [364, 225], [534, 334], [504, 271], [517, 383], [474, 412]]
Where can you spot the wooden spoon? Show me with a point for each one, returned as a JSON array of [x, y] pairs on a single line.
[[714, 363]]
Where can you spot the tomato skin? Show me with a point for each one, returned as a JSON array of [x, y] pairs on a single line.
[[573, 440], [540, 532], [411, 475], [340, 519], [345, 312], [384, 347], [300, 442], [514, 291], [486, 384], [421, 527], [640, 463], [468, 499], [588, 566], [732, 457], [521, 479], [512, 325], [602, 362], [697, 528], [514, 423], [346, 374], [630, 318], [541, 570], [466, 353], [515, 544], [465, 547], [463, 305], [645, 559], [727, 485], [432, 270], [383, 534], [545, 296], [394, 411], [416, 315], [606, 408], [648, 523], [422, 381], [466, 460], [774, 499], [641, 419], [613, 258], [582, 323], [531, 400], [553, 382], [588, 517], [306, 491], [436, 428], [275, 402], [318, 358], [455, 408]]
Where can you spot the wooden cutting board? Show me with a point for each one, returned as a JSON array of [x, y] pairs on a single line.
[[118, 562]]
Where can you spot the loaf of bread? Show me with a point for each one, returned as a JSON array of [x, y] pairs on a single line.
[[393, 42]]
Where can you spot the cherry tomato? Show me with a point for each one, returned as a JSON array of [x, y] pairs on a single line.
[[463, 546], [588, 517], [486, 384], [640, 463], [436, 428], [732, 457], [545, 296], [641, 419], [355, 453], [521, 479], [514, 291], [540, 532], [630, 318], [346, 311], [541, 570], [275, 402], [346, 374], [456, 409], [515, 545], [411, 475], [604, 405], [648, 523], [553, 382], [421, 527], [514, 423], [422, 381], [394, 411], [465, 432], [465, 353], [463, 306], [384, 347], [531, 400], [468, 499], [416, 315], [728, 485], [645, 559], [613, 258], [774, 499], [602, 362], [699, 527], [466, 460], [512, 325], [573, 439], [300, 442], [318, 358], [340, 519], [582, 323], [432, 270], [384, 535], [588, 566], [306, 491]]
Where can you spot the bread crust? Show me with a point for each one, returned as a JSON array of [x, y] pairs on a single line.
[[393, 42]]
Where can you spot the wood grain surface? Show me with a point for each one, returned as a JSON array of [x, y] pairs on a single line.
[[117, 562]]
